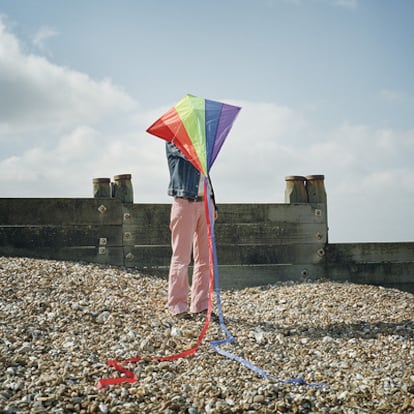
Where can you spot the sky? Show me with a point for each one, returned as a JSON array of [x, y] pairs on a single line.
[[326, 87]]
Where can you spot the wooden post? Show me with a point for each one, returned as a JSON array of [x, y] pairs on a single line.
[[315, 188], [101, 187], [295, 191], [122, 188]]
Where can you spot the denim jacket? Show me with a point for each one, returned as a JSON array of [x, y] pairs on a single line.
[[184, 177]]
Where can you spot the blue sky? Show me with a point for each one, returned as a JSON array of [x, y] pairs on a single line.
[[326, 87]]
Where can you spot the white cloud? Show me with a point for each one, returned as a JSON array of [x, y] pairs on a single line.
[[58, 170], [39, 95], [43, 34], [367, 176]]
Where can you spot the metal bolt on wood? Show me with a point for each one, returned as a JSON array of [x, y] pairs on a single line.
[[102, 209], [318, 212]]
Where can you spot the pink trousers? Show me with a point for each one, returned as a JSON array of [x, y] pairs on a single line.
[[189, 233]]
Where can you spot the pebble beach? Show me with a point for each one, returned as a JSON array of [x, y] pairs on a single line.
[[60, 322]]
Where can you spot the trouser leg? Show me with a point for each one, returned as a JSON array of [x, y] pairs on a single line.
[[182, 230], [201, 273]]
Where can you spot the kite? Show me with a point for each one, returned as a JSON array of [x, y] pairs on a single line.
[[198, 128]]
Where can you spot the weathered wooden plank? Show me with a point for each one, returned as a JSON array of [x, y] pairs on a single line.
[[239, 277], [281, 213], [90, 254], [258, 233], [59, 211], [249, 254], [155, 214], [14, 211], [370, 252], [385, 264], [379, 273], [270, 233], [55, 236]]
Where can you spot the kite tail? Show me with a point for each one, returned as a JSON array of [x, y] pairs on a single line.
[[214, 270], [228, 336]]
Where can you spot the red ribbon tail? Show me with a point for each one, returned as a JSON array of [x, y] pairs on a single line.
[[129, 376]]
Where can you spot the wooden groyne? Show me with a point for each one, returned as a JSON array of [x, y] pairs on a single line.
[[256, 243]]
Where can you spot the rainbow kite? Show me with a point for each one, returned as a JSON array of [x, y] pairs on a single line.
[[197, 127]]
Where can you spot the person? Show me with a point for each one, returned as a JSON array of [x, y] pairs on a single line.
[[189, 235]]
